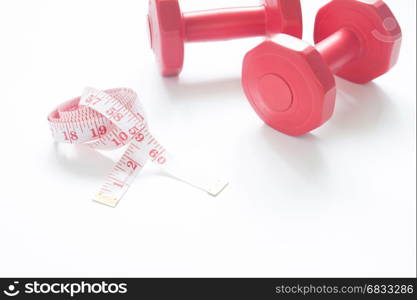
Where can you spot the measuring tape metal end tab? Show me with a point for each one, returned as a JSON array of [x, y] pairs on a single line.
[[113, 119], [108, 200], [218, 187]]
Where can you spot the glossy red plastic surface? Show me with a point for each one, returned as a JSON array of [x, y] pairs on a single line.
[[166, 34], [224, 24], [170, 28], [290, 84], [339, 49], [375, 27]]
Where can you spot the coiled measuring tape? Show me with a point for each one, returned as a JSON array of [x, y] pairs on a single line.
[[112, 119]]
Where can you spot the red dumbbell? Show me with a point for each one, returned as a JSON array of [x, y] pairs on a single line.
[[170, 28], [291, 85]]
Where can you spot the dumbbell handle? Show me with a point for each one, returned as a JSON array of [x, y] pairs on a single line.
[[224, 24], [339, 48]]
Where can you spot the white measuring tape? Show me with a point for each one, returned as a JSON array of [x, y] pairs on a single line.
[[112, 119]]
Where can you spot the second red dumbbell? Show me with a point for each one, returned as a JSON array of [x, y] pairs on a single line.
[[170, 28], [291, 85]]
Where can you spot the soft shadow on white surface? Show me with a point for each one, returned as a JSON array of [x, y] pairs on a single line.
[[221, 88], [302, 153], [83, 161], [358, 112], [358, 108]]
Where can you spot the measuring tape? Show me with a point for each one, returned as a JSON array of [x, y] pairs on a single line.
[[112, 119]]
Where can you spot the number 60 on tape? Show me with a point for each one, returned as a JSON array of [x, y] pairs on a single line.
[[112, 119]]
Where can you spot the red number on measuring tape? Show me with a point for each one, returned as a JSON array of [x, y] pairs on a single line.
[[101, 130], [113, 114], [93, 100], [116, 142], [133, 131], [123, 136], [117, 117], [153, 153], [110, 111], [132, 164], [161, 160], [140, 137], [71, 136]]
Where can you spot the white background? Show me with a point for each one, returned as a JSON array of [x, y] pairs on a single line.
[[337, 202]]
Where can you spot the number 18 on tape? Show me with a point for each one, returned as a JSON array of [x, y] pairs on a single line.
[[113, 119]]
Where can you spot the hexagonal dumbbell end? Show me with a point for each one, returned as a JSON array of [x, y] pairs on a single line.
[[289, 85], [166, 34], [377, 31], [283, 16]]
